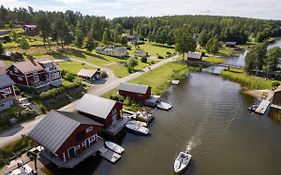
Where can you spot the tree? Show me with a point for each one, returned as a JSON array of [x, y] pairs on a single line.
[[212, 46], [184, 42], [255, 58], [2, 50], [79, 38], [272, 59], [131, 63], [64, 36], [203, 38], [90, 44], [24, 44], [44, 26], [106, 36], [123, 41], [14, 35]]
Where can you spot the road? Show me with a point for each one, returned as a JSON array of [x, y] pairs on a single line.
[[112, 82]]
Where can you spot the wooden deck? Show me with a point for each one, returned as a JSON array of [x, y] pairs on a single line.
[[262, 107], [275, 106], [117, 127], [109, 155]]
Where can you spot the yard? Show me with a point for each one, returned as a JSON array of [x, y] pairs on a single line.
[[216, 60], [154, 50], [73, 67]]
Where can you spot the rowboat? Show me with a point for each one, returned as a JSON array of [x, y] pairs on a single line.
[[114, 147]]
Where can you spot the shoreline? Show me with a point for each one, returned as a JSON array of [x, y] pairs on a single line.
[[259, 94]]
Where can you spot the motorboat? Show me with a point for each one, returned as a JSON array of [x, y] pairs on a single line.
[[140, 123], [137, 129], [182, 161], [114, 147]]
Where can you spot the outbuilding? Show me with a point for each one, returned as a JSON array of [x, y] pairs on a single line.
[[89, 74], [138, 92], [68, 138], [230, 44], [277, 96], [195, 56]]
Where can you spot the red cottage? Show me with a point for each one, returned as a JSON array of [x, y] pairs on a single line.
[[194, 56], [68, 138], [35, 73], [102, 110], [137, 92]]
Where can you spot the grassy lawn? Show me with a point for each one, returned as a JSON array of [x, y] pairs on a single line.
[[248, 81], [73, 67], [160, 77], [216, 60], [10, 45], [154, 50]]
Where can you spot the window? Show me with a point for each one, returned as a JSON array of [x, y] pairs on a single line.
[[80, 136], [36, 78], [89, 129], [20, 78]]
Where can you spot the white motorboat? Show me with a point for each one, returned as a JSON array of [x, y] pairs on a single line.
[[138, 129], [182, 161], [114, 147], [164, 106], [134, 122]]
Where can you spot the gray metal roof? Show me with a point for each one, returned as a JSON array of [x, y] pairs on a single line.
[[5, 80], [136, 88], [95, 105], [55, 128], [196, 55], [122, 49]]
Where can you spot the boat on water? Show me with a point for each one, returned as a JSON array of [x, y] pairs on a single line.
[[253, 108], [182, 161], [175, 82], [140, 123], [137, 129], [114, 147], [164, 106]]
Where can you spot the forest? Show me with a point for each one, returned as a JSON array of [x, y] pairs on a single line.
[[84, 31]]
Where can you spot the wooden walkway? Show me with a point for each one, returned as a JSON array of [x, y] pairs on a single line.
[[109, 155], [262, 107]]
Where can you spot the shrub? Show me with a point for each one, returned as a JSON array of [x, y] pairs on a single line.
[[275, 84], [104, 74], [160, 57], [69, 76], [51, 93], [152, 62], [168, 53], [116, 98], [144, 59]]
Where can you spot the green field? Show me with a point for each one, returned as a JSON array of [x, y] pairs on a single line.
[[248, 81], [154, 50], [216, 60], [73, 67]]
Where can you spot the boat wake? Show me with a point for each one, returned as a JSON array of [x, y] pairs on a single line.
[[192, 143]]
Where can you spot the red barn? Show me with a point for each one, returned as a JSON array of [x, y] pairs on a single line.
[[277, 96], [7, 93], [35, 73], [101, 110], [194, 56], [67, 138], [137, 92]]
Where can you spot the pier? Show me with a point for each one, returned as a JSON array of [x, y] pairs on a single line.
[[263, 107], [109, 155]]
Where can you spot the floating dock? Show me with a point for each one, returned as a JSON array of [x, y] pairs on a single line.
[[109, 155], [262, 107]]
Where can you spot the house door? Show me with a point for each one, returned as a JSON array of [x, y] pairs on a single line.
[[71, 152], [87, 143]]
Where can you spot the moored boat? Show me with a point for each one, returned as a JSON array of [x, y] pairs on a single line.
[[164, 106], [138, 129], [182, 161], [114, 147], [144, 124]]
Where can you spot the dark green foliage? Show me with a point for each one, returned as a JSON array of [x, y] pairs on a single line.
[[144, 59], [275, 84], [203, 38], [184, 42], [44, 26], [131, 63], [24, 44], [104, 74], [255, 58], [90, 44], [2, 50], [212, 46], [123, 41], [272, 59]]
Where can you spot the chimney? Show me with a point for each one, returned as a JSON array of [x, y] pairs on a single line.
[[30, 57]]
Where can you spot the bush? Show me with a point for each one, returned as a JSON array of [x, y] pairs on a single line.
[[275, 84], [144, 59], [116, 98], [160, 57], [168, 53], [51, 93], [104, 74], [152, 62]]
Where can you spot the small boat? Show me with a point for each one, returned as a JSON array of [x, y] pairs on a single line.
[[253, 108], [134, 122], [164, 106], [138, 129], [175, 82], [114, 147], [182, 161]]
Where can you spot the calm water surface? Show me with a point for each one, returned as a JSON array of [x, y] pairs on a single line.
[[210, 116]]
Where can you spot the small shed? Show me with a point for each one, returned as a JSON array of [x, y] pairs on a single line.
[[89, 74], [101, 110], [277, 96], [195, 56], [230, 44], [140, 53], [137, 92]]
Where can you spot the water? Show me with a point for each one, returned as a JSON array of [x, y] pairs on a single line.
[[211, 120]]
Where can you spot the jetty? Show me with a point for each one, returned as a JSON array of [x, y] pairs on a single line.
[[262, 107], [109, 155]]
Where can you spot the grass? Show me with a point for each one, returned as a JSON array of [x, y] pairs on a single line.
[[245, 80], [155, 50], [73, 67], [216, 60], [160, 78]]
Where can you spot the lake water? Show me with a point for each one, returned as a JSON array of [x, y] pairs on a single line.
[[210, 116]]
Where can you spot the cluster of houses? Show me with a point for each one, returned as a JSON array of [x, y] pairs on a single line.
[[70, 137]]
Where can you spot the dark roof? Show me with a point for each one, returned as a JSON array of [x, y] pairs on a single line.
[[55, 128], [230, 43], [31, 66], [121, 49], [195, 55], [136, 88], [95, 105], [5, 80]]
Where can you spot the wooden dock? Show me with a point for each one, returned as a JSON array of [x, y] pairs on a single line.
[[262, 107], [275, 106], [109, 155]]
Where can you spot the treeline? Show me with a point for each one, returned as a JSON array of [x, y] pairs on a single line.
[[84, 30]]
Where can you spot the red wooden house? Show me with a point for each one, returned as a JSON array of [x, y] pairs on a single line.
[[7, 93], [137, 92], [68, 138], [101, 110], [194, 56], [35, 73]]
